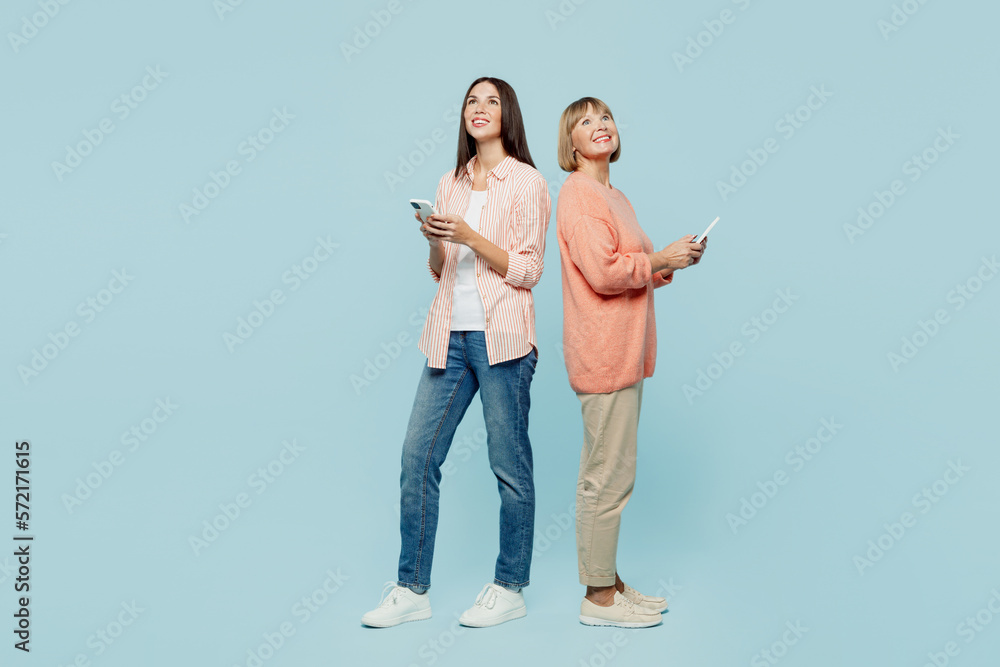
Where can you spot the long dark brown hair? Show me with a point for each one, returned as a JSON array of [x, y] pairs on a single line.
[[512, 137]]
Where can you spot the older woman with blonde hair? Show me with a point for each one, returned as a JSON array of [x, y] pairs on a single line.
[[609, 271]]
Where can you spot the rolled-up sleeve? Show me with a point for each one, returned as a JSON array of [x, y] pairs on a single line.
[[593, 247], [438, 207], [526, 237]]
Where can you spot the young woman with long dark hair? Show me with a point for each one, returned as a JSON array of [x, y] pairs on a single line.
[[486, 243]]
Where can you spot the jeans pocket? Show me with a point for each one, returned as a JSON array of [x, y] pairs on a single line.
[[532, 358]]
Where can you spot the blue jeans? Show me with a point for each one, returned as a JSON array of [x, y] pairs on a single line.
[[442, 398]]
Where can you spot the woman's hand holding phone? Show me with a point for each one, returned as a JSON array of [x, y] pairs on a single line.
[[680, 254], [431, 238], [449, 227]]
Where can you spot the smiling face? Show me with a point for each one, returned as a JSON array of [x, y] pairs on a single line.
[[595, 135], [482, 112], [587, 132]]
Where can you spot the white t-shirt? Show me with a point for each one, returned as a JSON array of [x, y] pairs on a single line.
[[467, 312]]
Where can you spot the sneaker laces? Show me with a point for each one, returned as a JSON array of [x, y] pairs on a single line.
[[628, 604], [390, 593], [487, 597], [651, 599]]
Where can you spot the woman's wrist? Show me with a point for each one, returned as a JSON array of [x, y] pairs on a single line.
[[474, 242], [658, 262]]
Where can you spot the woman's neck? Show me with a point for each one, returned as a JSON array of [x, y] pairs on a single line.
[[488, 155], [599, 170]]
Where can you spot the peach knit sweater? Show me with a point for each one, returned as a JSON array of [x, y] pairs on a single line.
[[609, 329]]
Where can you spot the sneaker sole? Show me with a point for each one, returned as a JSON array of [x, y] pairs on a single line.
[[590, 620], [509, 616], [406, 618]]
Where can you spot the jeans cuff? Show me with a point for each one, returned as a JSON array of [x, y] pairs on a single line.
[[416, 588], [510, 586]]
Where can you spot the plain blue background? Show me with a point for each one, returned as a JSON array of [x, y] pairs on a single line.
[[332, 508]]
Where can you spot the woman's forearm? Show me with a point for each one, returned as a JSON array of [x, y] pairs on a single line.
[[496, 257], [658, 262], [436, 257]]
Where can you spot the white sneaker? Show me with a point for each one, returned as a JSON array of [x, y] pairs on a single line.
[[494, 605], [622, 614], [645, 601], [399, 605]]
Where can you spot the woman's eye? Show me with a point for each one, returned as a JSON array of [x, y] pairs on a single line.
[[606, 118], [586, 122]]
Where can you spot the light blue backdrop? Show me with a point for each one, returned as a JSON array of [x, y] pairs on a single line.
[[206, 245]]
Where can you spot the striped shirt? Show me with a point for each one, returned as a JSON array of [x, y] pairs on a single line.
[[515, 218]]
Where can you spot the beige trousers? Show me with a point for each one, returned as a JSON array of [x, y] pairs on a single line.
[[607, 474]]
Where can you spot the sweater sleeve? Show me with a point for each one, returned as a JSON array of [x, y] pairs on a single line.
[[593, 247], [659, 280]]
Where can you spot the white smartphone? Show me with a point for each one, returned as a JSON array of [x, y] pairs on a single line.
[[423, 207], [705, 233]]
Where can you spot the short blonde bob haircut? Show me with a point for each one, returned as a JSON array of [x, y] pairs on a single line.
[[570, 117]]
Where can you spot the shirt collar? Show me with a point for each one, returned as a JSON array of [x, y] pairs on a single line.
[[500, 171]]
